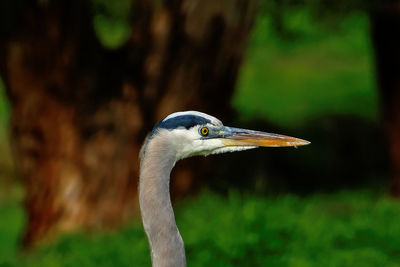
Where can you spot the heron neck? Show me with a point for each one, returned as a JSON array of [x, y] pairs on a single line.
[[166, 244]]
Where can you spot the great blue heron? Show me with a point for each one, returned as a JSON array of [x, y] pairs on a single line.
[[182, 135]]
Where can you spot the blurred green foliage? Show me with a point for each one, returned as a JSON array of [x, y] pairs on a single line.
[[343, 229], [5, 155], [111, 22], [4, 108], [314, 72]]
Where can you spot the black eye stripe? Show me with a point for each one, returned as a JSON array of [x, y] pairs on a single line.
[[186, 121], [179, 122]]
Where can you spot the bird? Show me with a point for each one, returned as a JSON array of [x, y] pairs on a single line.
[[181, 135]]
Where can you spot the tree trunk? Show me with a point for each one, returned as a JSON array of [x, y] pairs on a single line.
[[386, 40], [80, 111]]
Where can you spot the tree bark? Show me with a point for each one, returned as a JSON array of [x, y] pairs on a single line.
[[386, 41], [80, 111]]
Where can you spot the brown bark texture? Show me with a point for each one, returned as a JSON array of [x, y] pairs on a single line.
[[386, 40], [80, 111]]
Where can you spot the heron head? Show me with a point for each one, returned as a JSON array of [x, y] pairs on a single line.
[[192, 133]]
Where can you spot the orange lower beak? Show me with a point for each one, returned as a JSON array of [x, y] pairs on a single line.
[[242, 137]]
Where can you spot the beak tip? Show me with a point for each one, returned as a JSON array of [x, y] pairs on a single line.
[[302, 142]]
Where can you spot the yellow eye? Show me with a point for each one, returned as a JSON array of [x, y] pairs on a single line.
[[204, 131]]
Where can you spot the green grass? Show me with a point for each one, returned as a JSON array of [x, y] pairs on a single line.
[[317, 72], [342, 229]]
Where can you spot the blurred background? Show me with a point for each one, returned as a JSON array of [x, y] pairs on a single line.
[[83, 82]]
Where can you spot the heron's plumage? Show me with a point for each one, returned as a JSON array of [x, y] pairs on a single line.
[[182, 124], [178, 136], [202, 115]]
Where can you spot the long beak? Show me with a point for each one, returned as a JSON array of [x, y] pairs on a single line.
[[241, 137]]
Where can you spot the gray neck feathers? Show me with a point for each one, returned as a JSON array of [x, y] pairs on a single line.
[[166, 244]]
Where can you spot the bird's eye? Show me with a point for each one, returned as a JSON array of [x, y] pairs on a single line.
[[204, 131]]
